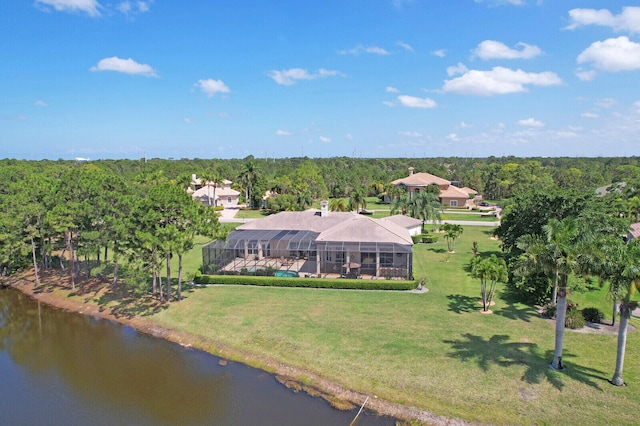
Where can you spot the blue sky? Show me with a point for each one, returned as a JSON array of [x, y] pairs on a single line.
[[284, 78]]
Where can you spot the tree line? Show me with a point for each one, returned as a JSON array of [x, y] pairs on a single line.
[[76, 216]]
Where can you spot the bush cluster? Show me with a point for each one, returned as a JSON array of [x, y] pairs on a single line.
[[338, 283], [594, 315], [574, 319], [429, 238]]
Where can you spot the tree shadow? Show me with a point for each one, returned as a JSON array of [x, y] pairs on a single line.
[[460, 303], [437, 250], [514, 309], [499, 351]]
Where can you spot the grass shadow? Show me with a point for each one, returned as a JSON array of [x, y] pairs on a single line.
[[514, 309], [499, 351], [460, 303]]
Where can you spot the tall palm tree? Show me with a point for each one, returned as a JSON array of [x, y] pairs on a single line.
[[211, 178], [561, 236], [428, 207], [249, 175], [620, 266]]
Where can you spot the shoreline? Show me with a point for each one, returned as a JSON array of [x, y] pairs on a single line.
[[294, 378]]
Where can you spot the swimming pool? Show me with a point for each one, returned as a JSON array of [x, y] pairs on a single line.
[[288, 274]]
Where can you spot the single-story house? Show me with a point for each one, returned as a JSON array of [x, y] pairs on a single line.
[[316, 243], [450, 195], [216, 194]]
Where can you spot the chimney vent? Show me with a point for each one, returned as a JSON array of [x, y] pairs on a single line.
[[324, 208], [410, 171]]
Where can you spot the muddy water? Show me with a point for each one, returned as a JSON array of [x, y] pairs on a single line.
[[59, 368]]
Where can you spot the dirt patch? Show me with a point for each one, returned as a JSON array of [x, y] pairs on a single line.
[[118, 306]]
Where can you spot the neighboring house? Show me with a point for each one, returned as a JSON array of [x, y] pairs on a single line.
[[633, 232], [316, 243], [450, 195], [224, 195]]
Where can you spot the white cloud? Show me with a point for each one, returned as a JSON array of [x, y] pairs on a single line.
[[391, 89], [627, 21], [188, 121], [90, 7], [411, 134], [290, 76], [491, 49], [441, 53], [281, 132], [366, 49], [324, 139], [414, 102], [586, 75], [531, 122], [40, 103], [126, 66], [498, 81], [503, 2], [405, 46], [457, 69], [389, 103], [464, 125], [453, 137], [614, 54], [606, 103], [589, 115], [211, 86], [133, 8]]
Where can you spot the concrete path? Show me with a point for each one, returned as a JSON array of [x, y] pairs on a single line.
[[229, 215]]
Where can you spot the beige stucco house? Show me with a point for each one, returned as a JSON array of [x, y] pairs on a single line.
[[316, 243], [450, 195], [220, 194]]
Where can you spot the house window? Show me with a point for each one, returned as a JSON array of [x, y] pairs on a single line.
[[453, 203], [228, 200]]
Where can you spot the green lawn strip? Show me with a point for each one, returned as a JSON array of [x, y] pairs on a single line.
[[431, 350]]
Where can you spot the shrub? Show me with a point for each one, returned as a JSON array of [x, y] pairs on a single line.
[[429, 238], [574, 319], [594, 315], [548, 311], [416, 238], [338, 283]]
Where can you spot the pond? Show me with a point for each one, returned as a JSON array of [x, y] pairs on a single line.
[[64, 368]]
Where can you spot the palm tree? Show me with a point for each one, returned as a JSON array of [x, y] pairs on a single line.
[[621, 267], [561, 236], [402, 203], [337, 205], [248, 177], [427, 207], [538, 255], [451, 234], [210, 179], [491, 269], [357, 199]]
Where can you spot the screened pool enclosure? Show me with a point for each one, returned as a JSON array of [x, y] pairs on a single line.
[[301, 253]]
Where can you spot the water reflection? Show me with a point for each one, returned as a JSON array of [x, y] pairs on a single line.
[[61, 368]]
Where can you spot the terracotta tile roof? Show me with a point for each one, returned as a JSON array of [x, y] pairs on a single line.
[[634, 230], [421, 179]]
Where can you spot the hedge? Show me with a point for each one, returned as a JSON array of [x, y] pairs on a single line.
[[337, 283]]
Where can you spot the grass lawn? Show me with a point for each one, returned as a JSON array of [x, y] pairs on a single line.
[[432, 350]]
